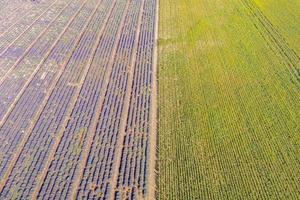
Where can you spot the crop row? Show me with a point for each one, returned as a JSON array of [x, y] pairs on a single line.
[[20, 72], [134, 167], [21, 68], [64, 90], [275, 40], [15, 52], [63, 170], [98, 175], [75, 120], [36, 95], [21, 25]]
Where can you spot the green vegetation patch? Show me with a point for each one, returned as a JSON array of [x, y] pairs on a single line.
[[229, 99]]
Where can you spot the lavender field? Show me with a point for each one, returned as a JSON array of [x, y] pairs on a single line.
[[78, 99]]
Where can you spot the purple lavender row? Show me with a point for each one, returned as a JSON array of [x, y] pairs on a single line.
[[50, 121], [15, 125], [10, 32], [134, 167], [27, 106], [97, 176], [15, 80], [20, 47], [64, 168]]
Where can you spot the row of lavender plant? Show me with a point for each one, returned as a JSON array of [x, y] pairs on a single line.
[[65, 166], [18, 70], [20, 24], [134, 168], [26, 110], [98, 181]]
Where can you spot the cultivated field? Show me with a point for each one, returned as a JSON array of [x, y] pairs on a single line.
[[229, 101], [77, 100]]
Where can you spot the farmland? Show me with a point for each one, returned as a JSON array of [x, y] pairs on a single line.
[[229, 99], [149, 99], [77, 101]]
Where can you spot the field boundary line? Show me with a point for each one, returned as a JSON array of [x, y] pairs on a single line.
[[17, 98], [32, 44], [124, 116], [154, 114], [98, 108], [18, 37], [37, 115], [72, 104]]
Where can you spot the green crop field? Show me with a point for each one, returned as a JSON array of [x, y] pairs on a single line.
[[229, 99]]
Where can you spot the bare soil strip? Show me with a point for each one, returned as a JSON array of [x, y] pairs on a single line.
[[153, 114]]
